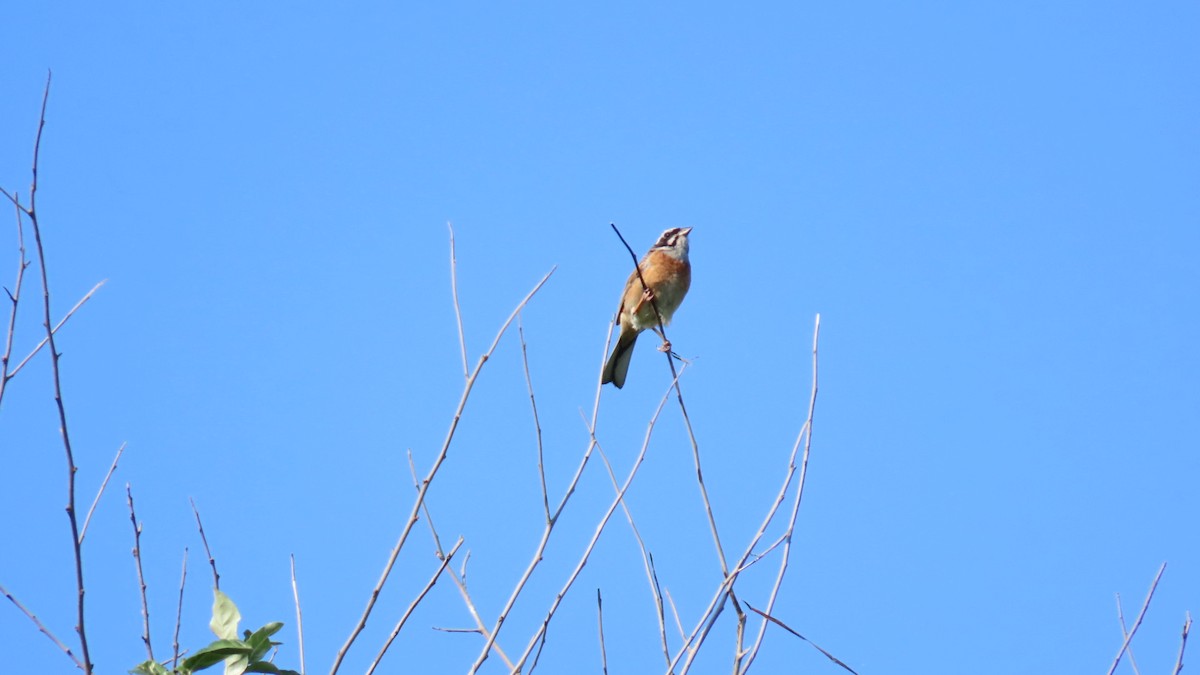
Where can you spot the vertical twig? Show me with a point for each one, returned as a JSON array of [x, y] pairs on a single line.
[[791, 527], [537, 425], [716, 605], [1187, 626], [462, 339], [299, 616], [14, 297], [414, 514], [179, 611], [57, 377], [647, 558], [413, 605], [207, 551], [712, 521], [61, 322], [1125, 634], [104, 484], [1138, 621], [600, 623], [137, 557]]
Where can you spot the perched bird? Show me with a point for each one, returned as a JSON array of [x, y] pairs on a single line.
[[668, 274]]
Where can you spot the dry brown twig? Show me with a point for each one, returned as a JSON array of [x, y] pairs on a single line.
[[1187, 626], [179, 613], [462, 339], [600, 624], [137, 557], [30, 211], [14, 296], [41, 627], [207, 551], [414, 514]]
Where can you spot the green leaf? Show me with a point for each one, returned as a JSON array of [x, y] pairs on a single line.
[[216, 653], [150, 668], [260, 640], [225, 616], [263, 667]]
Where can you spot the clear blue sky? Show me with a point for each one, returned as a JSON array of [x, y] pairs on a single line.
[[995, 208]]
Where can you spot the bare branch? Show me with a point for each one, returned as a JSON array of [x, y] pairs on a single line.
[[104, 484], [207, 551], [413, 605], [179, 612], [791, 527], [1187, 626], [600, 623], [137, 557], [41, 627], [1125, 634], [15, 297], [1138, 621], [647, 558], [58, 397], [87, 296], [299, 616], [537, 425], [784, 626], [416, 508], [716, 605], [459, 578], [462, 339], [539, 635]]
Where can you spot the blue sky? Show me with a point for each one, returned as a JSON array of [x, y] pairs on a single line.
[[993, 207]]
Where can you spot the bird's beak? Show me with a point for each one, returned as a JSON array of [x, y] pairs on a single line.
[[687, 231]]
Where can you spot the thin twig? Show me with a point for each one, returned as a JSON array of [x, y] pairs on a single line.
[[1187, 626], [87, 296], [1125, 634], [717, 604], [414, 514], [104, 484], [1138, 621], [14, 296], [41, 627], [791, 527], [179, 611], [537, 425], [539, 635], [675, 613], [299, 615], [647, 558], [712, 521], [777, 622], [600, 623], [207, 551], [58, 397], [413, 605], [462, 339], [459, 578], [137, 557]]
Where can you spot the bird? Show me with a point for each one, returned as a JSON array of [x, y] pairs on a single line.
[[668, 274]]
